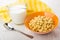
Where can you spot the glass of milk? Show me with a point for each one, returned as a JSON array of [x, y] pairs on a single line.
[[17, 13]]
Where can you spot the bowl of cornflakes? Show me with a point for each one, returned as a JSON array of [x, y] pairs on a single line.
[[41, 22]]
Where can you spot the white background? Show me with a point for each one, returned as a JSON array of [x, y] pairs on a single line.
[[11, 35]]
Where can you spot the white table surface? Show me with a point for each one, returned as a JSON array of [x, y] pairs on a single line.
[[12, 35]]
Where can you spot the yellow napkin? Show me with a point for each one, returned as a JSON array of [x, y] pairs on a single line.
[[37, 6], [4, 14]]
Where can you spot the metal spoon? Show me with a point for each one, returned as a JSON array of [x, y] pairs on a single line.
[[12, 29]]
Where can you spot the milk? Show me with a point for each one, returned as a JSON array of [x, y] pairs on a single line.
[[17, 13]]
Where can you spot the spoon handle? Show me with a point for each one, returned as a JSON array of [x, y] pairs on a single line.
[[30, 36]]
